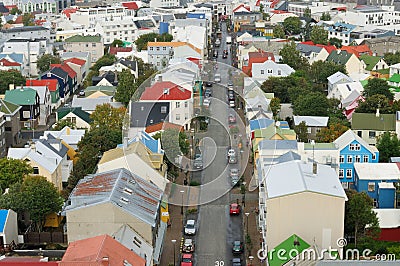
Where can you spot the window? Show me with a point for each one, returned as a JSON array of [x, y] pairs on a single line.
[[35, 170], [358, 159], [349, 173], [151, 48], [359, 133], [341, 159], [349, 159], [365, 159], [341, 173], [93, 44], [279, 72], [354, 147], [371, 186], [372, 134], [158, 48], [26, 114], [178, 117], [262, 72], [269, 71], [164, 48], [87, 45], [186, 104], [163, 109], [375, 203], [178, 104], [373, 157]]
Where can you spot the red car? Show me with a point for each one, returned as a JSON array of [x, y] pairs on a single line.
[[187, 260], [234, 209]]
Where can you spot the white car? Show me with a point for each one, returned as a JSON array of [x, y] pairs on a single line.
[[231, 152], [190, 227], [206, 102], [217, 77], [234, 175]]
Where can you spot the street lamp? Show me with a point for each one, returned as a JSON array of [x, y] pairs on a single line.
[[173, 242], [251, 260], [247, 221], [182, 191]]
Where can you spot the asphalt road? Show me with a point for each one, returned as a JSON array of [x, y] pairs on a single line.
[[216, 228]]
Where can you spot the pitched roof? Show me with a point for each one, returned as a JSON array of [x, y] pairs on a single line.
[[59, 72], [76, 61], [370, 61], [329, 48], [261, 123], [5, 62], [69, 70], [162, 126], [312, 121], [395, 78], [121, 188], [173, 44], [339, 57], [8, 108], [52, 84], [89, 104], [94, 250], [288, 246], [277, 144], [80, 38], [358, 50], [261, 54], [348, 137], [377, 171], [388, 218], [384, 122], [165, 90], [25, 96], [115, 50], [130, 5], [68, 11], [85, 116], [338, 76]]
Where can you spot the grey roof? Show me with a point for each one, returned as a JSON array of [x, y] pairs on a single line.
[[267, 46], [89, 104], [121, 188], [395, 159], [277, 144], [311, 121], [289, 156], [47, 143], [128, 63], [25, 28], [58, 72], [307, 49], [144, 114], [334, 78]]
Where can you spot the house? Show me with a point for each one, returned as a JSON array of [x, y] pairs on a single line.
[[86, 56], [2, 135], [48, 158], [254, 46], [68, 135], [255, 57], [373, 63], [179, 98], [44, 102], [29, 101], [116, 50], [78, 66], [313, 53], [322, 153], [99, 250], [102, 203], [383, 45], [26, 32], [271, 132], [13, 58], [89, 104], [240, 18], [8, 227], [262, 71], [75, 115], [160, 127], [99, 91], [314, 124], [341, 31], [389, 223], [370, 126], [193, 35], [12, 126], [337, 78], [378, 181], [394, 81], [52, 85], [120, 65], [6, 65], [350, 61], [108, 78], [358, 50], [92, 44], [62, 77], [346, 92], [351, 103], [313, 200], [125, 31], [353, 149], [71, 79], [48, 6], [141, 156]]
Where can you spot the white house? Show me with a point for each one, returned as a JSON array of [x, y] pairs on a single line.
[[341, 91], [337, 78], [67, 134], [262, 71]]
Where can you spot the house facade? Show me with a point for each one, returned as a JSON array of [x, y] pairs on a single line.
[[341, 31], [383, 45], [75, 115], [262, 71], [44, 102], [12, 126], [371, 126], [92, 44], [53, 87], [314, 124], [350, 61]]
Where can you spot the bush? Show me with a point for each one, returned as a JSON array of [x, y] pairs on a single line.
[[191, 211]]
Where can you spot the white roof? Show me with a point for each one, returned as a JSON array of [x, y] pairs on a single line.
[[345, 89], [41, 91], [297, 176], [395, 66], [194, 35], [312, 121], [89, 104], [70, 136], [348, 137], [386, 185], [21, 153], [388, 218], [377, 171], [337, 77]]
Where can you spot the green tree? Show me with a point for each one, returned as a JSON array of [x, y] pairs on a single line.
[[392, 58], [141, 42], [292, 57], [126, 86], [275, 106], [13, 171], [107, 116], [321, 70], [117, 43], [174, 143], [15, 11], [336, 42], [335, 113], [63, 123], [319, 35], [330, 133], [8, 77], [292, 25], [27, 19], [105, 60], [34, 195], [377, 86], [325, 16], [389, 146], [373, 103], [279, 32], [359, 214], [314, 103], [301, 131], [43, 62]]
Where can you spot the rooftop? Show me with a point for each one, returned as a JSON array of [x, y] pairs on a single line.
[[377, 171], [165, 90], [80, 38], [311, 121], [364, 121]]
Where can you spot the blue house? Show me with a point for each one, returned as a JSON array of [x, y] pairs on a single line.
[[378, 181], [62, 78], [353, 149], [8, 227]]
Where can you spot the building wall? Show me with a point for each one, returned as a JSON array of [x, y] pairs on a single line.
[[54, 177], [11, 228], [166, 3], [159, 56], [370, 136], [96, 49], [3, 150], [102, 219], [386, 197], [307, 215], [354, 65], [12, 129], [381, 48], [79, 122]]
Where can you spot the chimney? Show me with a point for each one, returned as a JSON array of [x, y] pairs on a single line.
[[377, 112], [11, 87], [314, 168]]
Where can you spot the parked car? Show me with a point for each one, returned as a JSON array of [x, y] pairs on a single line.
[[217, 77], [232, 159], [190, 227], [187, 260], [206, 102], [236, 262], [188, 246], [232, 103], [234, 175], [224, 56], [231, 95], [207, 93], [81, 93], [237, 247], [231, 152], [230, 86], [232, 118], [198, 162], [209, 83], [234, 208]]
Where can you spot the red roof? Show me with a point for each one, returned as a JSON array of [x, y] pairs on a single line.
[[358, 50], [240, 6], [5, 62], [18, 20], [166, 90], [66, 68], [257, 57], [130, 5], [11, 7], [67, 12], [100, 250], [22, 261], [50, 83], [162, 126], [75, 61], [115, 50], [39, 22], [279, 11]]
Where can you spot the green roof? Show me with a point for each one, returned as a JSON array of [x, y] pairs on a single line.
[[395, 78], [26, 96], [370, 61], [7, 107], [320, 146], [365, 121], [85, 116], [80, 38], [289, 247], [364, 82], [339, 58]]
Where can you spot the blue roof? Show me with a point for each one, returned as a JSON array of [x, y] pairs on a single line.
[[3, 219], [260, 123], [345, 28], [284, 125], [19, 58], [152, 144], [277, 144]]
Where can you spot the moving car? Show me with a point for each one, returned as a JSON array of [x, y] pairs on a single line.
[[232, 159], [231, 152], [234, 175], [206, 102], [234, 208], [237, 247], [217, 43], [236, 262], [215, 55], [232, 118], [190, 227], [187, 260], [188, 246], [217, 77], [228, 39], [224, 56]]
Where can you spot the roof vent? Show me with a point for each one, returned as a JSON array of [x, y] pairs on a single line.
[[128, 191], [124, 200]]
